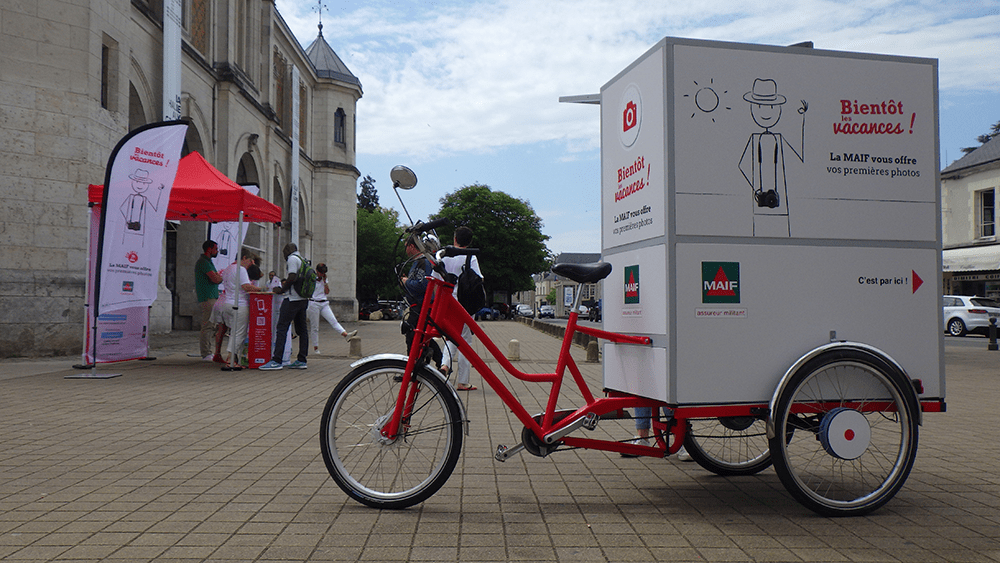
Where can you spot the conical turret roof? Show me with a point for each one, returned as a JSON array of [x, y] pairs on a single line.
[[327, 63]]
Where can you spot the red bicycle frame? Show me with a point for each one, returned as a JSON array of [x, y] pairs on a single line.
[[442, 315]]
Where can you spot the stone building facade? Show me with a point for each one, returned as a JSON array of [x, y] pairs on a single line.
[[971, 257], [77, 75]]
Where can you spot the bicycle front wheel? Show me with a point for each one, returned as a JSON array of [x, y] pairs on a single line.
[[393, 472]]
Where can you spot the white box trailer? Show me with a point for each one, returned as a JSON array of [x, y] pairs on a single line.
[[760, 202]]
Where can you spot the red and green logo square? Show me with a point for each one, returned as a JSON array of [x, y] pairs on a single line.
[[720, 282], [632, 284]]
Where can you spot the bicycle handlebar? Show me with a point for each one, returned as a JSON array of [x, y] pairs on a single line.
[[424, 227], [450, 251]]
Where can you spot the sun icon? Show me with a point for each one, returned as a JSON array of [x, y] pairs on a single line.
[[707, 99]]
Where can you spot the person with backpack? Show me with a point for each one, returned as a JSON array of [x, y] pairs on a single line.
[[300, 280], [463, 267]]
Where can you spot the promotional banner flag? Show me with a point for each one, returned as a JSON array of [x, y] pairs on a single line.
[[227, 235], [118, 336], [137, 186]]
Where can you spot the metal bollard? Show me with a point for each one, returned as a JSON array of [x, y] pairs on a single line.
[[514, 351], [593, 352], [354, 347], [993, 335]]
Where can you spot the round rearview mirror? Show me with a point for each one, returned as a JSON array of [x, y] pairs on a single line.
[[402, 177]]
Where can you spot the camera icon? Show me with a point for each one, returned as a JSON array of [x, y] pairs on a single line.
[[630, 117], [767, 199]]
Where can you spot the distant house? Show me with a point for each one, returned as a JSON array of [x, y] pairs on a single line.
[[971, 257]]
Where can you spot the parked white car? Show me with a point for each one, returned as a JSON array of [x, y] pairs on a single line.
[[964, 314]]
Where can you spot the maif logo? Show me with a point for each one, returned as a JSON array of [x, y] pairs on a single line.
[[631, 112], [128, 286], [631, 284], [720, 282]]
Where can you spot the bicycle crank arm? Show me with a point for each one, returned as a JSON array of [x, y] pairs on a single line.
[[589, 422], [504, 453]]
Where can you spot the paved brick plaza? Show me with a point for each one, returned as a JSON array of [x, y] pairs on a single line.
[[178, 461]]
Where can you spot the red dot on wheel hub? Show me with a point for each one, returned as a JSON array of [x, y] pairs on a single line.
[[849, 435]]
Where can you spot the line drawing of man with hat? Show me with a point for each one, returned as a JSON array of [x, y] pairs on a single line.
[[763, 160], [134, 207]]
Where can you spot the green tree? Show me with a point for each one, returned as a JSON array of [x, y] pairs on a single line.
[[505, 229], [985, 138], [368, 198], [378, 232]]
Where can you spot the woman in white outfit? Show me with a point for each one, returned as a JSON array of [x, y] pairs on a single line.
[[319, 306], [237, 282]]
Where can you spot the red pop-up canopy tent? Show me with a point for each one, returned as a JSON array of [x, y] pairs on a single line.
[[202, 193]]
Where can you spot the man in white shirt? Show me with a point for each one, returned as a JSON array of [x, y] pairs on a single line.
[[453, 265], [293, 309]]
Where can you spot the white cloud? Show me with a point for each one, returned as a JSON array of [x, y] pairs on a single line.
[[471, 77]]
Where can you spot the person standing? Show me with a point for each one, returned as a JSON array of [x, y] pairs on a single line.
[[454, 265], [415, 286], [236, 312], [319, 306], [293, 310], [643, 422], [206, 287]]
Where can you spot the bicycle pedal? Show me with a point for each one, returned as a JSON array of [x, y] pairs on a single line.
[[590, 421]]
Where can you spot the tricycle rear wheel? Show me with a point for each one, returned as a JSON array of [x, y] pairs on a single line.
[[855, 417]]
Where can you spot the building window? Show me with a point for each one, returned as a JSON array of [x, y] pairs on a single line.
[[340, 127], [109, 73], [303, 113], [986, 211], [105, 60], [246, 39], [280, 88], [199, 25]]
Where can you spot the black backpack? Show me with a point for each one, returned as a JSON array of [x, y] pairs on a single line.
[[471, 293]]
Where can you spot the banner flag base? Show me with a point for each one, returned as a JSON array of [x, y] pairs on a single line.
[[92, 376]]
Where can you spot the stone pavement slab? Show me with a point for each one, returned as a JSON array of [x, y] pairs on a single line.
[[178, 461]]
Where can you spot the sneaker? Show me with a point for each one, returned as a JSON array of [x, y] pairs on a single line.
[[317, 352], [270, 366], [297, 365], [638, 440], [683, 455], [350, 335], [208, 358]]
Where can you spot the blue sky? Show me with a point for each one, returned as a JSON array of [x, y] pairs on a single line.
[[467, 92]]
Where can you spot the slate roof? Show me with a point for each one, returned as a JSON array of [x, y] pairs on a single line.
[[327, 63], [986, 154]]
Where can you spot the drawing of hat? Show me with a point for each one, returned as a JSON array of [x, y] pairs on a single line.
[[765, 93], [141, 175]]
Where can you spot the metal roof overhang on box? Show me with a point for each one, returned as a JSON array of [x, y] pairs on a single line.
[[973, 259]]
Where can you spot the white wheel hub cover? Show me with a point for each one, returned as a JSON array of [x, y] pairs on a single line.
[[845, 433]]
